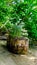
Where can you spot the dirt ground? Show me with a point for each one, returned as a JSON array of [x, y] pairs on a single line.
[[7, 58]]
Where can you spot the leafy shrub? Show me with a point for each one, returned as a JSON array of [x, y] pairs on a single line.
[[18, 12]]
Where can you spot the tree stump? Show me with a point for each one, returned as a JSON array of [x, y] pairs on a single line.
[[18, 45]]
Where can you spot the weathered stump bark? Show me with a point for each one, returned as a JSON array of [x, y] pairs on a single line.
[[18, 45]]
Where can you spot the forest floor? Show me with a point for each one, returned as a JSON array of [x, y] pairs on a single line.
[[7, 58]]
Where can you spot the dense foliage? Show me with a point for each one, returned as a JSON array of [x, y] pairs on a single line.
[[3, 11], [22, 14]]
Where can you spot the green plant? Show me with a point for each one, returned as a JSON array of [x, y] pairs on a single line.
[[26, 12], [4, 12], [31, 19], [15, 31], [18, 12]]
